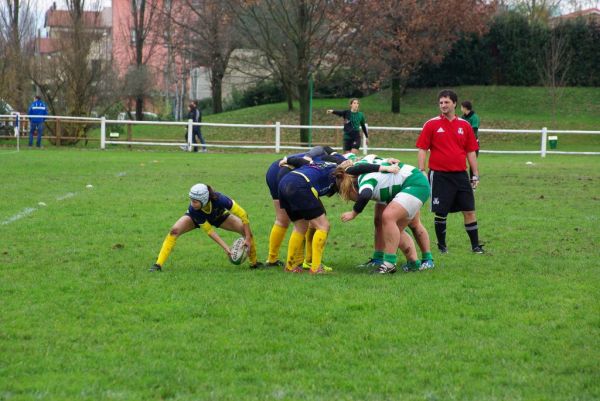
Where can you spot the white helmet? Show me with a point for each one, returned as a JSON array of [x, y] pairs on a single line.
[[199, 192]]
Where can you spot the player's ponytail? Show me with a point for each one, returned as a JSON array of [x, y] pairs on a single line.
[[344, 183]]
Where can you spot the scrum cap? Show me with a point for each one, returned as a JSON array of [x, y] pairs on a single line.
[[199, 192]]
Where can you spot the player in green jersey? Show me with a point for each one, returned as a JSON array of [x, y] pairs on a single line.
[[404, 193]]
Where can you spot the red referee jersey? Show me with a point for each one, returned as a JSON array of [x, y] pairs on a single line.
[[449, 141]]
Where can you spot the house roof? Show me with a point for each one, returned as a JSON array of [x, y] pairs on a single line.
[[62, 19], [592, 13]]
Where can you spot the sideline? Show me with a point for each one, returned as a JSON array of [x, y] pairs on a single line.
[[20, 215], [27, 211]]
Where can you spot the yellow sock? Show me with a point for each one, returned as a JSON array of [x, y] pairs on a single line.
[[166, 249], [252, 252], [318, 247], [309, 239], [299, 255], [275, 240], [296, 240]]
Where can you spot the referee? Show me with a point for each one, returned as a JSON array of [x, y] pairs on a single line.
[[450, 140]]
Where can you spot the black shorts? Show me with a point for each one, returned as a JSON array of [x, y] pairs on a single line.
[[451, 192], [352, 141], [297, 198]]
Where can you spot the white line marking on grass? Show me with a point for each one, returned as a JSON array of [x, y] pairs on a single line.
[[20, 215], [65, 196]]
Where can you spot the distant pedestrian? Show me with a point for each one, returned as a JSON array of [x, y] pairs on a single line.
[[473, 119], [450, 140], [354, 120], [37, 109], [195, 114]]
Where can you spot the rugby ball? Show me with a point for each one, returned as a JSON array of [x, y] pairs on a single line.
[[239, 252]]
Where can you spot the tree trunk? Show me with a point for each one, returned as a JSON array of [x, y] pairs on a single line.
[[396, 92], [139, 108], [289, 95], [290, 100], [216, 86], [303, 97]]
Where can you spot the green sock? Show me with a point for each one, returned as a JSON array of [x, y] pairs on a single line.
[[427, 256], [390, 257], [378, 255]]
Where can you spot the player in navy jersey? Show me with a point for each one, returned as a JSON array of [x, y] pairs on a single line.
[[277, 170], [209, 209], [299, 195]]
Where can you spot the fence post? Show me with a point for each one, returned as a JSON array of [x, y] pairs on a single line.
[[129, 135], [103, 132], [277, 137], [58, 133], [190, 127], [544, 141], [364, 141], [17, 129]]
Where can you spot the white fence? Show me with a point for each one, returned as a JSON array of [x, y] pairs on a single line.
[[277, 128]]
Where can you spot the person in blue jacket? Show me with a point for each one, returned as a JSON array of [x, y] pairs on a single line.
[[38, 110]]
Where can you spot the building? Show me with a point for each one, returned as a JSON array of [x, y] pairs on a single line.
[[590, 15]]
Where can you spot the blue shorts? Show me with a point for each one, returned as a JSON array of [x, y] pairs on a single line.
[[274, 175], [298, 198]]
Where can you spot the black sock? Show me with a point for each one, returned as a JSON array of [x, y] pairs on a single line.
[[440, 229], [473, 232]]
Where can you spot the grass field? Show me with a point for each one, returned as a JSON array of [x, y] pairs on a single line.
[[82, 318]]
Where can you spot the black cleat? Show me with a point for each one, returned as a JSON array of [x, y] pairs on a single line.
[[277, 263], [155, 268], [442, 248], [257, 265], [478, 249]]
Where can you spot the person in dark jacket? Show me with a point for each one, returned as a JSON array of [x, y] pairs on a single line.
[[37, 110], [354, 120], [195, 115]]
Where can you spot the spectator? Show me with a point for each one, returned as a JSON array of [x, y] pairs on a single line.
[[450, 140], [37, 109], [196, 116], [473, 119]]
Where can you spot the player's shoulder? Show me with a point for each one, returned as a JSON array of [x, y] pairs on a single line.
[[433, 120]]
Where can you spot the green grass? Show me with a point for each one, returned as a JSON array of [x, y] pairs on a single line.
[[82, 319]]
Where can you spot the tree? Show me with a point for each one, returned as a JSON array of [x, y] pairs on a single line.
[[17, 33], [407, 33], [146, 29], [76, 78], [207, 36], [297, 38], [554, 67]]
